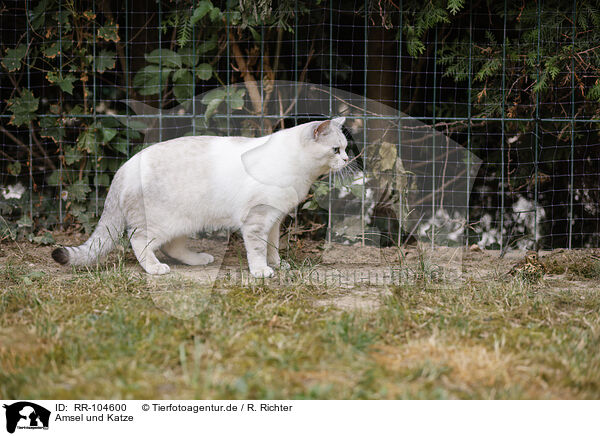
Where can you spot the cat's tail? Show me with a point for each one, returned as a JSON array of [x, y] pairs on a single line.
[[104, 238]]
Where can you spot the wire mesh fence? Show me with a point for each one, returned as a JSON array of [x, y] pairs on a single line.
[[85, 85]]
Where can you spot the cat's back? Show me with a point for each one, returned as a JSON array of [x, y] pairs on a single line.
[[203, 144], [191, 151], [189, 159]]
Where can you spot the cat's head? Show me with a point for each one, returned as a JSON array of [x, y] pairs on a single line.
[[328, 143]]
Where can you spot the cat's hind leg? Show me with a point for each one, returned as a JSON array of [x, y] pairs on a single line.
[[144, 248], [178, 250]]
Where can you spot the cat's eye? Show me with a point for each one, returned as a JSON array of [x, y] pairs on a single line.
[[336, 150]]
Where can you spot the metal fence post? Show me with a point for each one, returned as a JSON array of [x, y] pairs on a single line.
[[537, 126], [469, 114], [433, 154], [572, 151], [399, 155], [503, 134]]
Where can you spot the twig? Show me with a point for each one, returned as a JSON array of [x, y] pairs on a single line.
[[444, 169], [119, 44], [444, 186], [315, 88], [301, 79], [40, 147], [249, 79], [411, 232], [8, 156]]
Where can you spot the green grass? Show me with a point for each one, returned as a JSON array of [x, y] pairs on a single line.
[[99, 334]]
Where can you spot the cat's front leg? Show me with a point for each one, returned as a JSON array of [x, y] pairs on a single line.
[[273, 258], [256, 231]]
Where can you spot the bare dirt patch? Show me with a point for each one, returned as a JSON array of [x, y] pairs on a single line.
[[350, 276]]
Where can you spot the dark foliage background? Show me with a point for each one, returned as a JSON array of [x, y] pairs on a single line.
[[516, 82]]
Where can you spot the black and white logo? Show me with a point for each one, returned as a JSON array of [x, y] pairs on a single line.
[[26, 415]]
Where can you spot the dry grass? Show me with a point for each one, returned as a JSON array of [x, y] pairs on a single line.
[[574, 263], [101, 333]]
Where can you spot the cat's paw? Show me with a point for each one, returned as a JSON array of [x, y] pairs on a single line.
[[263, 272], [278, 263], [199, 259], [158, 269], [273, 262]]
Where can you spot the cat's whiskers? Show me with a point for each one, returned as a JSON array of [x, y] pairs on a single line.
[[346, 174]]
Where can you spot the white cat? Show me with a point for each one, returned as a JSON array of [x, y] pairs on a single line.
[[185, 185]]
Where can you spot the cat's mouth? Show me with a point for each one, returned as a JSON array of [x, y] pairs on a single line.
[[345, 171]]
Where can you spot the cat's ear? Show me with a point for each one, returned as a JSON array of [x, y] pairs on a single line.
[[320, 129], [339, 121]]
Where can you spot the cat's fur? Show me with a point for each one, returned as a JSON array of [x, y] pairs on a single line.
[[175, 188]]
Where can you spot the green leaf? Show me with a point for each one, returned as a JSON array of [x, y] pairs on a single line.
[[110, 122], [488, 69], [64, 17], [53, 179], [178, 75], [64, 82], [23, 108], [72, 155], [212, 99], [12, 60], [148, 79], [415, 47], [321, 189], [37, 16], [217, 93], [236, 99], [51, 50], [184, 32], [208, 45], [203, 8], [105, 60], [254, 33], [188, 57], [454, 6], [133, 123], [183, 85], [78, 190], [14, 168], [388, 154], [114, 164], [109, 32], [120, 145], [541, 84], [87, 140], [44, 239], [101, 179], [204, 71], [165, 57], [25, 221], [310, 205], [357, 190], [50, 128], [108, 134], [215, 14], [594, 92], [212, 107]]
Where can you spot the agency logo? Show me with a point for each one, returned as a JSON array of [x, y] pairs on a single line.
[[26, 415]]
